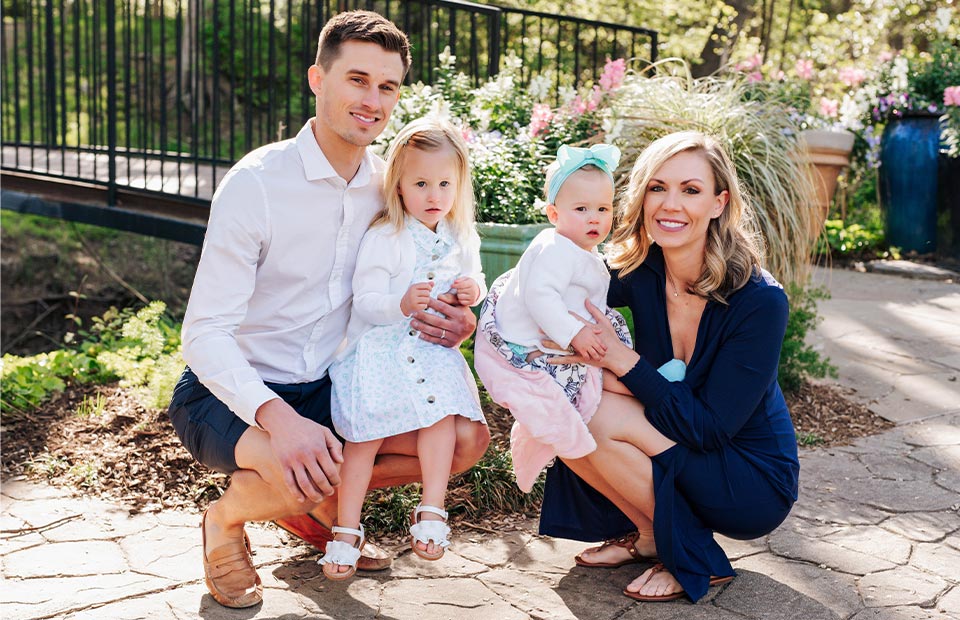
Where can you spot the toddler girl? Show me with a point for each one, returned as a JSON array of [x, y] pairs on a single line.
[[387, 381], [537, 301]]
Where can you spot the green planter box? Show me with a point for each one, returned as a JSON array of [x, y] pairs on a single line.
[[502, 244]]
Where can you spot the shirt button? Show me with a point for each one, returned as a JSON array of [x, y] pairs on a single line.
[[431, 276], [410, 359], [431, 399], [435, 256], [421, 380], [412, 332]]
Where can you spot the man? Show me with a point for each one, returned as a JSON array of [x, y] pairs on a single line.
[[270, 305]]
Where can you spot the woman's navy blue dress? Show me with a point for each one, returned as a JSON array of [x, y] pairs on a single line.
[[734, 468]]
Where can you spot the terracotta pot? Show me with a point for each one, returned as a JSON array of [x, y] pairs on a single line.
[[827, 152]]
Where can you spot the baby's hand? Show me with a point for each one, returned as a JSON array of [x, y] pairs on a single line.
[[415, 298], [468, 292], [587, 343]]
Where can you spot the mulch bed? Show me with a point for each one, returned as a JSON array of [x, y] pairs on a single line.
[[129, 454]]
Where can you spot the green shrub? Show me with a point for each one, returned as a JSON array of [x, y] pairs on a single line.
[[488, 486], [851, 240], [798, 360], [140, 348]]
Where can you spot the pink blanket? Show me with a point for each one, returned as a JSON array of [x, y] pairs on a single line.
[[546, 425]]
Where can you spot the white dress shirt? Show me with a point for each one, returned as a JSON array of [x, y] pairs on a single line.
[[553, 276], [271, 297]]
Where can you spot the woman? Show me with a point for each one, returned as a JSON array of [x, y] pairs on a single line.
[[715, 452]]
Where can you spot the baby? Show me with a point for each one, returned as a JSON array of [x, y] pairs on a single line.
[[541, 299]]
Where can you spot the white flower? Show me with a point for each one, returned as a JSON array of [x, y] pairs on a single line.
[[612, 128], [899, 73], [481, 116], [512, 63], [446, 58], [567, 93], [440, 108], [539, 87], [942, 21], [850, 113]]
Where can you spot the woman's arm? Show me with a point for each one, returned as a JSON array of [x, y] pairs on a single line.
[[740, 375]]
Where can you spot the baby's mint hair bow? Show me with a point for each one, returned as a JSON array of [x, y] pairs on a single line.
[[572, 158]]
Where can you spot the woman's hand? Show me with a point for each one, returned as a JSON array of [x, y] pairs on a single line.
[[618, 359]]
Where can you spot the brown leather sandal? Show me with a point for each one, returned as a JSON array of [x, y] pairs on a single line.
[[229, 568], [628, 542], [659, 598]]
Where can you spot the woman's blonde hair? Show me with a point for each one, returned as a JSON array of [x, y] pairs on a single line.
[[734, 246], [428, 134]]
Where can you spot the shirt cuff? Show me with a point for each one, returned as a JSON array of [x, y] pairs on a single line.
[[648, 385], [250, 398]]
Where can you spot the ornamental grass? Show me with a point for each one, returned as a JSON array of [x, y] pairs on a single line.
[[760, 137]]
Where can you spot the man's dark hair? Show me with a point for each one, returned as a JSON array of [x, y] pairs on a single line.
[[361, 26]]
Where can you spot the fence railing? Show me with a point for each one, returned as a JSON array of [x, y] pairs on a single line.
[[161, 97]]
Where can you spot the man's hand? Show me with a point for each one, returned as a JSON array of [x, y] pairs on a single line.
[[309, 454], [588, 343], [468, 292], [416, 298], [453, 327]]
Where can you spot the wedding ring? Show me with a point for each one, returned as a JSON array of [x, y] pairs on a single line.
[[443, 334]]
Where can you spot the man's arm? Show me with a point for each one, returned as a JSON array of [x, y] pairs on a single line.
[[222, 289]]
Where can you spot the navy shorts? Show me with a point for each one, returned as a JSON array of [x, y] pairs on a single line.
[[210, 431]]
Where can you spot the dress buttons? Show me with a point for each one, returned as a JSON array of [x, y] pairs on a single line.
[[412, 332], [410, 359], [431, 275], [435, 256], [421, 380], [431, 399]]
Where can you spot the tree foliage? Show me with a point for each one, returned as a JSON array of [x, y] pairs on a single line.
[[830, 32]]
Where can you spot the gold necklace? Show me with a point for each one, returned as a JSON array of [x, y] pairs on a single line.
[[676, 292]]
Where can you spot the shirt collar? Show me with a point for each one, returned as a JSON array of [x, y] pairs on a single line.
[[654, 260], [426, 238], [316, 166]]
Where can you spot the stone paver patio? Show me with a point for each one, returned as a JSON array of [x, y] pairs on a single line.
[[874, 536]]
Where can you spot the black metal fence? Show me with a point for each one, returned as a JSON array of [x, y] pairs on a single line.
[[162, 96]]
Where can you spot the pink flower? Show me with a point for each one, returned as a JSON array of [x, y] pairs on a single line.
[[754, 76], [951, 96], [779, 76], [852, 77], [540, 119], [804, 69], [578, 106], [750, 64], [829, 107], [613, 72], [884, 56]]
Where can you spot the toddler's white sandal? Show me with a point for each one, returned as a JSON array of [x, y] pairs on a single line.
[[338, 553], [429, 531]]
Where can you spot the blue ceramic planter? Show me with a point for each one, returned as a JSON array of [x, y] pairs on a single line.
[[908, 181]]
